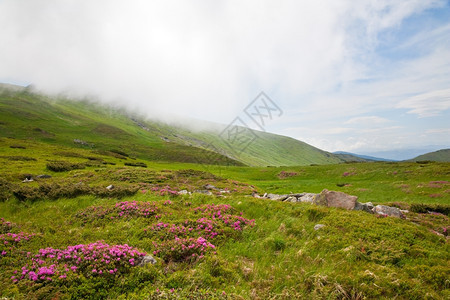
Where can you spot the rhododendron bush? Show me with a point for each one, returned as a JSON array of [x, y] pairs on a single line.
[[96, 259]]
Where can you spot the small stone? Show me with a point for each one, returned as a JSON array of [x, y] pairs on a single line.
[[183, 192], [44, 176], [210, 187], [27, 180], [318, 226], [110, 187]]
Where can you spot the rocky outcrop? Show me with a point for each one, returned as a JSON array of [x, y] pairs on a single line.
[[335, 199]]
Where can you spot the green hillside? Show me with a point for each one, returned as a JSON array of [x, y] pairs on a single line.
[[84, 124], [440, 155]]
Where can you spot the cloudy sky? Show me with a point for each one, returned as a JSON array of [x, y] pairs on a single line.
[[353, 75]]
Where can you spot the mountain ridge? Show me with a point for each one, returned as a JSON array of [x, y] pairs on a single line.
[[60, 120]]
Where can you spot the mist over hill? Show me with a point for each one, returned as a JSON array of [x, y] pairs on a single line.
[[61, 120]]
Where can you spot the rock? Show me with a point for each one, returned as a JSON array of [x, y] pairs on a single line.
[[291, 199], [318, 226], [277, 197], [297, 195], [27, 180], [109, 187], [367, 207], [43, 176], [388, 211], [210, 187], [335, 199], [183, 192], [144, 260], [307, 197], [265, 195]]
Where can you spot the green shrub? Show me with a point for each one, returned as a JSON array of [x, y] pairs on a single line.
[[19, 158], [136, 164], [315, 214], [119, 152], [5, 189], [425, 208], [63, 166]]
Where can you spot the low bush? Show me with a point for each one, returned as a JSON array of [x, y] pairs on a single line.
[[136, 164], [19, 158], [63, 166], [17, 147], [425, 208], [55, 191], [5, 189], [120, 152], [62, 266]]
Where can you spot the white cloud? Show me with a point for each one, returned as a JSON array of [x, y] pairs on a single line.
[[207, 59], [367, 120], [427, 104]]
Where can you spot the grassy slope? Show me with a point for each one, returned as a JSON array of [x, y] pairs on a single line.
[[440, 155], [282, 256], [27, 115]]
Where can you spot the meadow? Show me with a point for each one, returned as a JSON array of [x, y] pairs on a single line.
[[68, 236]]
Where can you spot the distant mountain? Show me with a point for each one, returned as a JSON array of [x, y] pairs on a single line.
[[348, 157], [25, 114], [440, 155], [406, 153]]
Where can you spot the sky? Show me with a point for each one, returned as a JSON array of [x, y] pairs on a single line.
[[361, 76]]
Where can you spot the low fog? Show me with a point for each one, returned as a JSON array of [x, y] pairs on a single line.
[[322, 62]]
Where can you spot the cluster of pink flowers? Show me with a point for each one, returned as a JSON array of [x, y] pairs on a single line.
[[164, 191], [5, 226], [212, 208], [96, 259], [125, 209], [190, 249], [285, 174], [214, 221], [8, 241], [345, 174]]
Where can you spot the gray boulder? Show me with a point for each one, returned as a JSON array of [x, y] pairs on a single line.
[[183, 192], [291, 199], [367, 207], [388, 211], [44, 176], [335, 199], [144, 260], [307, 197], [277, 197]]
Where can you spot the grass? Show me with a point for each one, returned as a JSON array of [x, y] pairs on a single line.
[[105, 194], [356, 255]]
